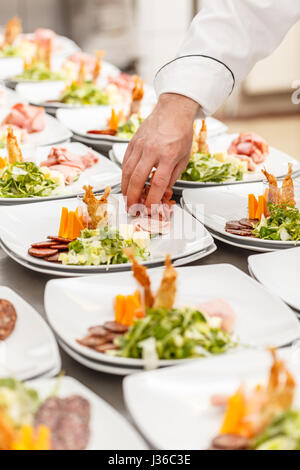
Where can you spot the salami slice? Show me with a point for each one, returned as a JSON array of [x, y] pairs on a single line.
[[53, 258], [47, 244], [115, 327], [106, 347], [230, 442], [60, 247], [8, 318], [59, 239], [42, 252], [248, 223], [97, 330], [242, 232]]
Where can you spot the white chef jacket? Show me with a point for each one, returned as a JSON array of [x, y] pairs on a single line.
[[223, 43]]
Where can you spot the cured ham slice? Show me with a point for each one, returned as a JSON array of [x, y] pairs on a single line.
[[79, 58], [250, 147], [153, 226], [31, 118], [68, 163], [70, 173], [221, 309]]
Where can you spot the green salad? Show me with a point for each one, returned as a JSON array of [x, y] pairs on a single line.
[[25, 179], [9, 50], [206, 168], [102, 246], [127, 130], [174, 334], [18, 402], [282, 224], [87, 94], [39, 71], [282, 434]]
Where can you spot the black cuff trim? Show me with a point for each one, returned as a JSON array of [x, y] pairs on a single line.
[[206, 57]]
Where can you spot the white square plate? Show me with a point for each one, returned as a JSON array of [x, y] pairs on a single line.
[[103, 173], [171, 406], [73, 305], [280, 273], [216, 206], [37, 221], [276, 163], [108, 429], [53, 133], [31, 349]]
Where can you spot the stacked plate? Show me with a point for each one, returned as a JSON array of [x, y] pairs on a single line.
[[187, 240], [82, 120], [74, 305], [276, 162], [279, 272], [104, 173], [216, 206], [32, 340]]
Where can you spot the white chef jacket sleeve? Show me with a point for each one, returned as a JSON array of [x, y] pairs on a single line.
[[224, 42]]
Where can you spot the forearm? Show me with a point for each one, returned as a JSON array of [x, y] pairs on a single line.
[[222, 45]]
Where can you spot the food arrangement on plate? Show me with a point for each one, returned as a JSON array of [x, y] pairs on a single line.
[[87, 237], [123, 126], [20, 178], [148, 326], [262, 418], [28, 422], [243, 155], [274, 216]]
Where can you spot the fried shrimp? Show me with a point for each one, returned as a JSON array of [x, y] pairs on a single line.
[[202, 146], [165, 296], [81, 73], [97, 208], [98, 65], [12, 30], [13, 149], [287, 189], [141, 275], [137, 96], [273, 193]]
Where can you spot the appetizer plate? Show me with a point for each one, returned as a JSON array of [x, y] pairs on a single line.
[[53, 133], [172, 408], [81, 120], [103, 173], [279, 272], [216, 206], [108, 429], [31, 349], [276, 163], [66, 273], [73, 305], [36, 222]]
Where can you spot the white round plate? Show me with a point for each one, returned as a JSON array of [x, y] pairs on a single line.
[[73, 305]]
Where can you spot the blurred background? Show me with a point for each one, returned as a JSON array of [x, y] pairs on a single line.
[[141, 35]]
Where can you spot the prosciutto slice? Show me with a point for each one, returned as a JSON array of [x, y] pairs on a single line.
[[250, 147], [68, 163], [25, 116], [221, 309]]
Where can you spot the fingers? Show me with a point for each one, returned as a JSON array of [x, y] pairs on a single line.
[[138, 179], [133, 154], [159, 184], [180, 167]]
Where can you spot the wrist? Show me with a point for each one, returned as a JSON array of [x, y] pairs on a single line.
[[179, 103]]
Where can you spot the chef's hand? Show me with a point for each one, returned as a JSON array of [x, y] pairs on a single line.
[[163, 141]]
